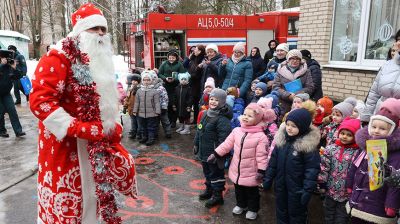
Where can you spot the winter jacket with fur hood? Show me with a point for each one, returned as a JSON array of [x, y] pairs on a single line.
[[370, 205], [336, 161], [284, 75], [249, 154], [147, 102], [294, 167], [386, 85]]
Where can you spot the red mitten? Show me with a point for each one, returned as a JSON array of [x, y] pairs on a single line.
[[116, 135], [91, 131], [391, 212], [349, 190]]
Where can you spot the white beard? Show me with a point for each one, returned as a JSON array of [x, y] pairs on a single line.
[[101, 68]]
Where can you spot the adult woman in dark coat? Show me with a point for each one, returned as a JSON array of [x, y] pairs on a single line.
[[316, 74], [210, 66], [194, 59], [257, 62]]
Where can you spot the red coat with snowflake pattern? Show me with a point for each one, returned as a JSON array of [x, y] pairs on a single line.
[[65, 181]]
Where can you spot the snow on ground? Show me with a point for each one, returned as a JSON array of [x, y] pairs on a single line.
[[121, 68]]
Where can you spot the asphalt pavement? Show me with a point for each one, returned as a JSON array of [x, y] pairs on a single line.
[[169, 181]]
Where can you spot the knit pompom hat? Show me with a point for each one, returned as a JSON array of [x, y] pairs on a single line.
[[240, 46], [263, 87], [265, 103], [327, 104], [258, 112], [389, 112], [301, 118], [220, 95], [346, 107], [303, 96], [209, 82], [283, 46], [293, 53], [148, 74], [350, 124], [185, 75], [213, 47]]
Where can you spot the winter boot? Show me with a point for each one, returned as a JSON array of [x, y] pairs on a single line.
[[143, 140], [150, 142], [186, 130], [132, 135], [216, 199], [207, 194], [180, 128]]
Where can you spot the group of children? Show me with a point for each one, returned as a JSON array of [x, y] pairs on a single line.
[[317, 146], [147, 104]]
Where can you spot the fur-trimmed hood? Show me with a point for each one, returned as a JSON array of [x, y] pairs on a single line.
[[306, 143], [393, 140]]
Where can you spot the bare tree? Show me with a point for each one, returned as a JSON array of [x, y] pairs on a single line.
[[33, 14], [11, 15]]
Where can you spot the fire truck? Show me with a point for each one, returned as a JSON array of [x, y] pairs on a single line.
[[149, 39]]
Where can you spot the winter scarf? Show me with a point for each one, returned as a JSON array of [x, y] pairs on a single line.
[[236, 60]]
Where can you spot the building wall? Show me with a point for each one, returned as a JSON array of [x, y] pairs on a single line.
[[315, 27]]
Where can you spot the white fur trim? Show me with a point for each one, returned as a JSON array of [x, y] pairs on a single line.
[[58, 123], [382, 118], [89, 200], [89, 22], [369, 217]]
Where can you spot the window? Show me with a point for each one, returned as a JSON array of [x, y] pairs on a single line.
[[384, 19], [293, 25], [363, 31]]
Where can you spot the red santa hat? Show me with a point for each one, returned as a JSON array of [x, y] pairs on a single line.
[[86, 17]]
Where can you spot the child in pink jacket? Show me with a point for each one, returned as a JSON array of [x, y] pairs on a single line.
[[249, 159]]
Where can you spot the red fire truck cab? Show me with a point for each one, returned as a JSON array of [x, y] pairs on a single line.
[[151, 38]]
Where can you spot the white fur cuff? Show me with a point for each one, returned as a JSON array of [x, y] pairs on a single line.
[[369, 217], [58, 123]]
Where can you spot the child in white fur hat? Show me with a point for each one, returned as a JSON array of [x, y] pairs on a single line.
[[183, 103]]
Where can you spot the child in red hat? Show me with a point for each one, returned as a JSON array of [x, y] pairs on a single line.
[[335, 163]]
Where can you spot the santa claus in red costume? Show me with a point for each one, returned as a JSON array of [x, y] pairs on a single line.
[[82, 165]]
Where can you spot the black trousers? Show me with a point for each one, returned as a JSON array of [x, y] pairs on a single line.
[[215, 177], [172, 115], [334, 211], [247, 197]]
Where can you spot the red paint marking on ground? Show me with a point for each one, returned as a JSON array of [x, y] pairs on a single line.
[[172, 170], [144, 161], [214, 209], [164, 210], [177, 157], [141, 202], [174, 216], [197, 184]]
